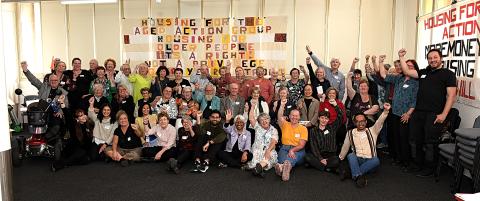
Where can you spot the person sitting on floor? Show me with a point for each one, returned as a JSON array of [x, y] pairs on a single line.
[[161, 139], [210, 143], [187, 139], [126, 146], [263, 148], [294, 138], [239, 142], [362, 141], [322, 143]]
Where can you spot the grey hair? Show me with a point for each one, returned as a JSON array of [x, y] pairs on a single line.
[[213, 86], [241, 117], [96, 86], [263, 116]]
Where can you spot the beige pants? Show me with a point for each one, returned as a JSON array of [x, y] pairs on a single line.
[[129, 154]]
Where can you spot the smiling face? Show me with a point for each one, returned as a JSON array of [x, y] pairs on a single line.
[[122, 92], [335, 63], [294, 116], [163, 122], [53, 80], [146, 110], [360, 122], [178, 75], [323, 120], [308, 91], [77, 64], [123, 120], [264, 122], [100, 73], [142, 69], [363, 88], [106, 111], [434, 59], [320, 73], [239, 72], [215, 118], [332, 94], [110, 66], [239, 124], [283, 94]]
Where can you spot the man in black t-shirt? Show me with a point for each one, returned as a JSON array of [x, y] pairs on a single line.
[[436, 95]]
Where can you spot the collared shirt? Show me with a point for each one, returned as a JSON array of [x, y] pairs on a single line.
[[405, 96], [266, 88], [337, 79], [165, 136], [201, 80], [244, 139]]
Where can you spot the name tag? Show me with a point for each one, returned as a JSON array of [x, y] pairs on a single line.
[[210, 107], [297, 135], [326, 132], [363, 136], [257, 85], [62, 82], [423, 76], [82, 75], [326, 110], [184, 103], [291, 88], [237, 103], [208, 133], [184, 137], [336, 77], [405, 86], [183, 86], [289, 106], [107, 127], [123, 102], [368, 106], [319, 90], [129, 138], [244, 137]]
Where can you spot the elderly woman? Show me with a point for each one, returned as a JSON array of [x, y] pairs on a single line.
[[105, 125], [140, 79], [123, 101], [59, 72], [295, 84], [145, 120], [308, 107], [187, 139], [178, 83], [166, 104], [361, 102], [122, 77], [182, 104], [256, 104], [208, 101], [110, 65], [161, 139], [160, 82], [98, 98], [107, 83], [263, 148], [283, 98], [239, 141], [319, 83], [126, 146]]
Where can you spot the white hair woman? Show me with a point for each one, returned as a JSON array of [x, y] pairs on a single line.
[[263, 149]]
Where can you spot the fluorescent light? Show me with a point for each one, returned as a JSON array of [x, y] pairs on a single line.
[[159, 1], [87, 1]]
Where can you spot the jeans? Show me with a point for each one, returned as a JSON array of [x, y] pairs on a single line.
[[283, 155], [361, 166]]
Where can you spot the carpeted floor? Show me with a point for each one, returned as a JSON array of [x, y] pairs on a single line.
[[149, 181]]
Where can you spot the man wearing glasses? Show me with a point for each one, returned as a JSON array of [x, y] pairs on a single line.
[[362, 141]]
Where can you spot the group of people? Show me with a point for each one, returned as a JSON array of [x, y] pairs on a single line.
[[254, 124]]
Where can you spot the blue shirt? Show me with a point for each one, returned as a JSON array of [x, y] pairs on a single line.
[[336, 79], [243, 137], [405, 93]]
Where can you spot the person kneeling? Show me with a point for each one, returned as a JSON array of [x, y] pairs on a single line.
[[238, 150], [126, 146], [363, 141]]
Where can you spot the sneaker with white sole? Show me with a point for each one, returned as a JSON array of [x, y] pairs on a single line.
[[203, 167]]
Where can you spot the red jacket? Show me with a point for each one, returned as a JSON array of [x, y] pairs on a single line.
[[333, 114]]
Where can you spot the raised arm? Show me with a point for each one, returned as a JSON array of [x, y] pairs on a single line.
[[315, 59], [31, 78], [382, 70], [350, 91], [306, 78], [403, 63], [311, 73], [280, 118], [354, 64]]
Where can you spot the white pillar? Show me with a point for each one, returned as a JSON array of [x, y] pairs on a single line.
[[5, 155]]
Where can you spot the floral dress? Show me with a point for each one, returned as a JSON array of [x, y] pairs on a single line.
[[262, 141], [295, 91]]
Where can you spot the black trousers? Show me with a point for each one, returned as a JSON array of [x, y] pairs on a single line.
[[183, 156], [211, 153], [93, 152], [425, 135], [150, 152], [393, 136], [315, 162], [401, 133], [233, 159]]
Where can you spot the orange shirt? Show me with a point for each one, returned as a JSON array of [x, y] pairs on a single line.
[[292, 136]]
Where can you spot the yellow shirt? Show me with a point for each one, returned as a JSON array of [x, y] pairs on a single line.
[[292, 136], [139, 82]]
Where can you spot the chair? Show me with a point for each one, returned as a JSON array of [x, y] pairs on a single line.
[[467, 156]]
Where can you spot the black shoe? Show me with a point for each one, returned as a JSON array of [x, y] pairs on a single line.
[[124, 162], [171, 164], [361, 181], [52, 168], [343, 174], [425, 173], [413, 169], [258, 170], [196, 166], [203, 167]]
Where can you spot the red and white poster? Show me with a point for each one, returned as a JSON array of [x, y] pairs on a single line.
[[455, 30]]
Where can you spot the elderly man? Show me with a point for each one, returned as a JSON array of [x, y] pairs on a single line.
[[122, 77], [362, 141], [266, 88], [317, 78], [51, 91], [208, 101], [233, 101], [436, 94], [93, 67], [223, 81], [200, 81], [242, 82], [277, 83], [333, 75], [239, 142], [294, 138]]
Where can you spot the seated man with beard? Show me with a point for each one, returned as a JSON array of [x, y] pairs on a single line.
[[210, 141], [208, 101]]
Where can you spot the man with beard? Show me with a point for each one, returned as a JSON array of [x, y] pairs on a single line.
[[209, 143], [209, 101], [233, 101], [362, 141], [437, 89], [200, 81]]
